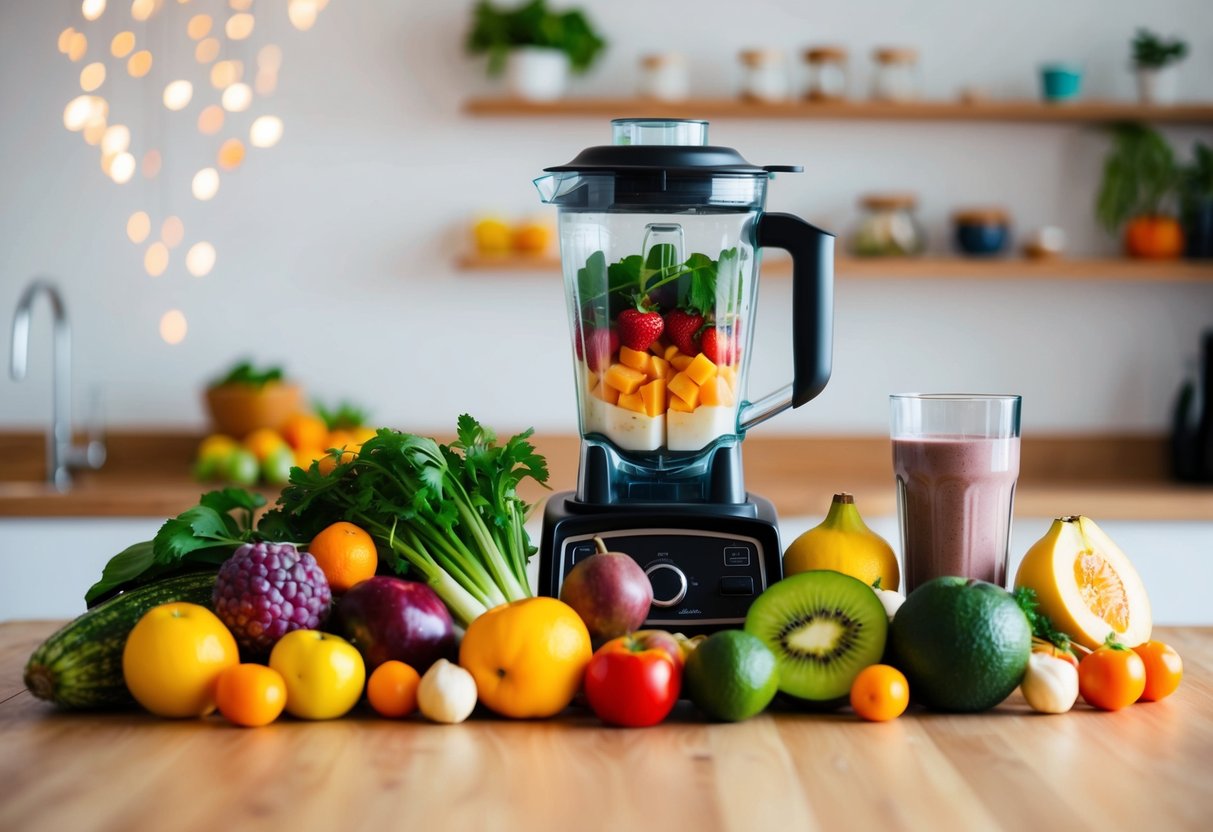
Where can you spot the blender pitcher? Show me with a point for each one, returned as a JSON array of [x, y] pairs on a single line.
[[660, 241]]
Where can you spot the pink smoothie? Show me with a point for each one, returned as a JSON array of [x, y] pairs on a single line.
[[954, 496]]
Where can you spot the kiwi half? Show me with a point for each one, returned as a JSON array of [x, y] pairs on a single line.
[[823, 627]]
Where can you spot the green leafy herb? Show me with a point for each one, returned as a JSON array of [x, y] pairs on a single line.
[[1042, 627], [245, 373], [496, 31], [344, 416], [1152, 52], [450, 515], [601, 286], [202, 537]]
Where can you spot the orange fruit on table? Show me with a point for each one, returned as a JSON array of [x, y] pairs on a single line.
[[304, 457], [173, 658], [305, 430], [251, 695], [263, 442], [1164, 670], [880, 693], [528, 657], [392, 689], [346, 555]]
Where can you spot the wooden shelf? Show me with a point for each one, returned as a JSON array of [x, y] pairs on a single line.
[[927, 268], [1022, 111]]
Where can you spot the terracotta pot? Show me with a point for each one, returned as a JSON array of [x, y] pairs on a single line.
[[1158, 238], [239, 409]]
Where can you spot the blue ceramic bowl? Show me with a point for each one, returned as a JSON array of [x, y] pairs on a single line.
[[981, 240], [1060, 82]]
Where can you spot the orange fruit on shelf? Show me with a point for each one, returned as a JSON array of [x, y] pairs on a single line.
[[392, 689], [173, 658], [263, 442], [532, 238], [491, 236], [305, 430], [1154, 237], [880, 693], [250, 695], [527, 657], [346, 555]]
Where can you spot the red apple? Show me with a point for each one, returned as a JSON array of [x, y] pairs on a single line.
[[635, 680], [389, 618], [610, 592]]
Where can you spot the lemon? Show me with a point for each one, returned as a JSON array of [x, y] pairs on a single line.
[[492, 236], [844, 543]]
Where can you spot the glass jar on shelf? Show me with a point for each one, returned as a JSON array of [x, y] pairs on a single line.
[[664, 77], [888, 227], [764, 76], [828, 78], [896, 74]]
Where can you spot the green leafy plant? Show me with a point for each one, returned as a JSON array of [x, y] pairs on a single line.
[[1152, 52], [495, 31], [1140, 176], [245, 372], [344, 416]]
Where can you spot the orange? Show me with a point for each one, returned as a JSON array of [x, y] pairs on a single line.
[[361, 434], [304, 430], [527, 657], [1157, 237], [532, 238], [304, 457], [346, 555], [880, 693], [263, 442], [491, 236], [392, 689], [173, 657], [251, 695], [328, 462]]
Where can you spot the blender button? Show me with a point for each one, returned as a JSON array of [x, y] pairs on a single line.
[[737, 556], [736, 585]]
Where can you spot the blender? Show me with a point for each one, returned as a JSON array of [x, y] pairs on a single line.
[[661, 237]]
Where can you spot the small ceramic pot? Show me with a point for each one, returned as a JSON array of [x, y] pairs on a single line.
[[537, 74], [1158, 85], [982, 232], [1060, 82]]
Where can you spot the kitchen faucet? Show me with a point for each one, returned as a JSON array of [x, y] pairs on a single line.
[[61, 454]]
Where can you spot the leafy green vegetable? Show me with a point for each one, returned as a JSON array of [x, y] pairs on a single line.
[[201, 537], [634, 277], [1042, 627], [245, 373], [449, 514], [342, 417], [1151, 51], [496, 31]]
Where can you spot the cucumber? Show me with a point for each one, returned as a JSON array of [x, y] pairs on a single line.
[[80, 666]]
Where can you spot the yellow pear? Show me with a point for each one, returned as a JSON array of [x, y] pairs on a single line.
[[844, 543]]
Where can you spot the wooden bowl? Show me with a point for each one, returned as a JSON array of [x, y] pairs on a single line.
[[239, 409]]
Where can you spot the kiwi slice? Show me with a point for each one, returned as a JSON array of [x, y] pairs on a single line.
[[823, 627]]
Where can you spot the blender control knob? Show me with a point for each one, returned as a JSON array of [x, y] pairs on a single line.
[[669, 584]]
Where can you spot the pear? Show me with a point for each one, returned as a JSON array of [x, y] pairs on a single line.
[[844, 543]]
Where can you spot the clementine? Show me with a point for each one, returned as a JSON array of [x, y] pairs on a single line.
[[251, 695], [305, 430], [392, 689], [346, 555]]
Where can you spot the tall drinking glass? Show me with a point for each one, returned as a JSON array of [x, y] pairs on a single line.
[[956, 457]]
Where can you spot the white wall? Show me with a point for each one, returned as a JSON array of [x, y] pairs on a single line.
[[335, 248]]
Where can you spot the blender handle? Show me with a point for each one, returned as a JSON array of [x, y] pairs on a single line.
[[812, 253]]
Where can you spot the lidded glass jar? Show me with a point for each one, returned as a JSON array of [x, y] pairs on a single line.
[[888, 227], [896, 74], [764, 76], [664, 77], [828, 78]]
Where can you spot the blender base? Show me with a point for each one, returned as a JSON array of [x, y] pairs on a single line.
[[707, 562]]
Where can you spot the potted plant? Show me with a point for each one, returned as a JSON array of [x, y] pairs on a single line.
[[1139, 181], [247, 398], [535, 46], [1196, 202], [1157, 64]]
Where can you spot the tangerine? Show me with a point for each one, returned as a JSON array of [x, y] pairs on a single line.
[[392, 689], [305, 430], [346, 555], [263, 442], [879, 693], [250, 695]]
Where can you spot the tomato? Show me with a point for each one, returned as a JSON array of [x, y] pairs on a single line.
[[1164, 669], [251, 695], [880, 693], [1111, 678], [633, 681], [324, 673]]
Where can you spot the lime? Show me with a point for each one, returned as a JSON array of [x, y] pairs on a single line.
[[276, 469], [731, 676], [963, 644], [241, 467]]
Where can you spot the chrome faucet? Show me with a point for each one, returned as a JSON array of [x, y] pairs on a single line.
[[61, 454]]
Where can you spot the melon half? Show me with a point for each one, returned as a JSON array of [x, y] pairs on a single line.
[[1086, 585]]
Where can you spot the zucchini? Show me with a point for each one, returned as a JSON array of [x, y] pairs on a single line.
[[80, 666]]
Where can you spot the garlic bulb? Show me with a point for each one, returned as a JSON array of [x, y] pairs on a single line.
[[447, 693]]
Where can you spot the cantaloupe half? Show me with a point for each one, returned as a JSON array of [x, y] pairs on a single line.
[[1086, 584]]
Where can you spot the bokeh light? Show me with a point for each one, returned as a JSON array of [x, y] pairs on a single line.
[[172, 231], [177, 95], [199, 26], [173, 326], [265, 131], [239, 26], [94, 131], [122, 168], [200, 259], [65, 39], [140, 64], [92, 9], [266, 82], [138, 226], [155, 259], [84, 110], [302, 13], [151, 164], [122, 44], [210, 120], [226, 73], [92, 76], [270, 57], [237, 98], [240, 5], [142, 9], [231, 154], [206, 50], [205, 184], [116, 139], [77, 45]]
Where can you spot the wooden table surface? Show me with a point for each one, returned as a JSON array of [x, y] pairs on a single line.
[[1144, 768]]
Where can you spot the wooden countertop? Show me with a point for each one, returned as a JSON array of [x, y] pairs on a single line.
[[1146, 767], [1108, 477]]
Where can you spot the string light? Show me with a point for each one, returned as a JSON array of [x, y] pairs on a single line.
[[177, 95], [92, 9], [122, 44], [151, 164], [199, 26], [237, 98], [226, 73], [172, 231], [239, 26], [173, 327], [265, 131], [122, 168], [210, 120], [142, 9], [206, 50], [302, 13], [269, 57], [83, 110], [77, 45], [65, 39], [138, 226], [155, 259], [140, 64], [94, 132], [205, 184], [266, 82], [231, 154], [92, 76], [200, 259], [117, 138]]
